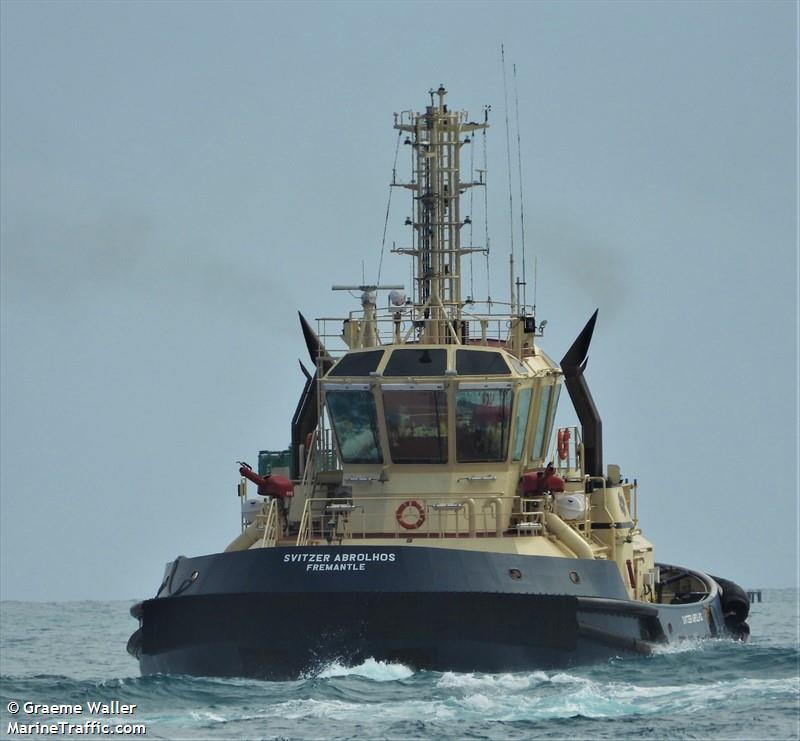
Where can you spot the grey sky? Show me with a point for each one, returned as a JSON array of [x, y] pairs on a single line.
[[179, 178]]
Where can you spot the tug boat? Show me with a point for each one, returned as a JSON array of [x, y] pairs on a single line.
[[426, 511]]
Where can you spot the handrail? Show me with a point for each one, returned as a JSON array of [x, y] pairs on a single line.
[[270, 521], [302, 538], [309, 463], [308, 475], [573, 461], [497, 503], [261, 531], [388, 329], [444, 516]]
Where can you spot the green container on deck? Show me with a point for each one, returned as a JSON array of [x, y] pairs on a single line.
[[271, 459]]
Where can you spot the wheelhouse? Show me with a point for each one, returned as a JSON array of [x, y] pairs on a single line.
[[440, 406]]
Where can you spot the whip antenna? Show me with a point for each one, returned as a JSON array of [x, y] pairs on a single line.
[[510, 195], [388, 206], [521, 201], [485, 179]]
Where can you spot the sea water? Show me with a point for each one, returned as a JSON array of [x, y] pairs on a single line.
[[74, 653]]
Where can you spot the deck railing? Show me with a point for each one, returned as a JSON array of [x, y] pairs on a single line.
[[479, 323], [427, 516], [269, 521]]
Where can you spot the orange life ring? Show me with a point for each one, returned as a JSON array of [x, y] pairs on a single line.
[[563, 443], [401, 511]]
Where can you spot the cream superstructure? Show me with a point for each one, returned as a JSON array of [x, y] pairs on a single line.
[[435, 425]]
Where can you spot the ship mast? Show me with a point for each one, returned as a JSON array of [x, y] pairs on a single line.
[[436, 138]]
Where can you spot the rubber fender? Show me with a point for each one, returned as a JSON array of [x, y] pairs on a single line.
[[735, 601], [134, 645], [741, 632]]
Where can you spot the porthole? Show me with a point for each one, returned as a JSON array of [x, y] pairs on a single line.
[[515, 573], [574, 577], [194, 575]]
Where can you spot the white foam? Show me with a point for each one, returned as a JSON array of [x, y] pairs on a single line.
[[569, 696], [499, 682], [687, 645], [377, 671], [206, 715], [563, 678], [479, 703], [338, 710], [486, 698]]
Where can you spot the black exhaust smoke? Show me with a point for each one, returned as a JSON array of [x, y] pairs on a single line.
[[573, 364]]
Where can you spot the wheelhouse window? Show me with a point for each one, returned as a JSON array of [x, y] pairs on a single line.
[[357, 363], [483, 423], [352, 414], [416, 423], [416, 362], [518, 366], [552, 413], [521, 424], [480, 363], [544, 420]]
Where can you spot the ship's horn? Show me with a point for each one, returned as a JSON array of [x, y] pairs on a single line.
[[316, 349], [573, 364]]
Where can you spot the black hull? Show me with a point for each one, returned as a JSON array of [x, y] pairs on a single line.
[[258, 614]]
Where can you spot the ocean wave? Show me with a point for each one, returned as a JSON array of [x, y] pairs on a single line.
[[377, 671], [499, 682], [399, 702], [697, 689], [152, 688]]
